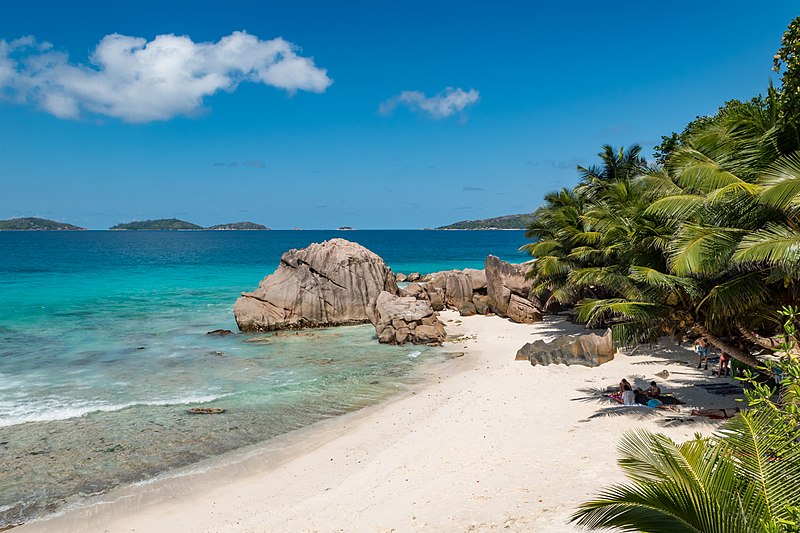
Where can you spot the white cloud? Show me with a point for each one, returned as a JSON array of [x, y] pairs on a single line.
[[441, 105], [139, 81]]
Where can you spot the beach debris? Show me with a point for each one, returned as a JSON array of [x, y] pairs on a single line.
[[587, 350], [220, 332], [324, 284], [205, 410]]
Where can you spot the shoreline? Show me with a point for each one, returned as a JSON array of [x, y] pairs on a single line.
[[474, 445]]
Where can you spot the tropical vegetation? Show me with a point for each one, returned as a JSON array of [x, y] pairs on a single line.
[[705, 241]]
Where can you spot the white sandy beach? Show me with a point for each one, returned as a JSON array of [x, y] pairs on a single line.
[[485, 443]]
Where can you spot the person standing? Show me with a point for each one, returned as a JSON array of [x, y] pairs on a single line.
[[724, 359], [701, 347]]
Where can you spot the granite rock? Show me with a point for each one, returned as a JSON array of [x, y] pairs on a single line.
[[587, 350], [326, 284], [401, 319]]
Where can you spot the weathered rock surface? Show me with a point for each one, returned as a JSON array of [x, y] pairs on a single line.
[[522, 311], [414, 276], [436, 297], [401, 277], [509, 291], [401, 319], [481, 302], [587, 350], [416, 290], [476, 277], [326, 284]]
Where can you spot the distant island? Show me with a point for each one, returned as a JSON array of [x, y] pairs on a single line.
[[344, 228], [159, 224], [174, 224], [239, 226], [36, 224], [521, 221]]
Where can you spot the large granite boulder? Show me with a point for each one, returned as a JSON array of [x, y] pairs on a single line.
[[509, 291], [326, 284], [401, 319], [522, 311], [456, 285], [587, 350]]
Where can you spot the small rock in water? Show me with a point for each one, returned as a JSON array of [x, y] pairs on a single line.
[[220, 332], [205, 411], [664, 374]]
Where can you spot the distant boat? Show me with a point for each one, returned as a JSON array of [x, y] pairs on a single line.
[[344, 228]]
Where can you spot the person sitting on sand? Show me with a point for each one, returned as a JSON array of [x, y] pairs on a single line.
[[701, 347], [724, 359], [628, 396], [653, 391]]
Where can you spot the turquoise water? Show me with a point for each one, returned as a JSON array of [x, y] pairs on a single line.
[[104, 347]]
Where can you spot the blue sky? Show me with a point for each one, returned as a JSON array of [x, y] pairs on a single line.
[[382, 115]]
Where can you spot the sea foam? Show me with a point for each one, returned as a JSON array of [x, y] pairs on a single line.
[[51, 409]]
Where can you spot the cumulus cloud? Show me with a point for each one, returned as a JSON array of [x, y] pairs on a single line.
[[441, 105], [137, 80]]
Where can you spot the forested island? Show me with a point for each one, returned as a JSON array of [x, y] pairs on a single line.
[[159, 224], [174, 224], [239, 226], [521, 221], [36, 224]]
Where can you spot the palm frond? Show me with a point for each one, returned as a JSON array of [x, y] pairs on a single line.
[[702, 250], [781, 182], [677, 207], [775, 244]]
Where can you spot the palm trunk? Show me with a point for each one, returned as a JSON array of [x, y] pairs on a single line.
[[736, 353], [770, 343]]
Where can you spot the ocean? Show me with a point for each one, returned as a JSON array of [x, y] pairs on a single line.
[[103, 348]]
